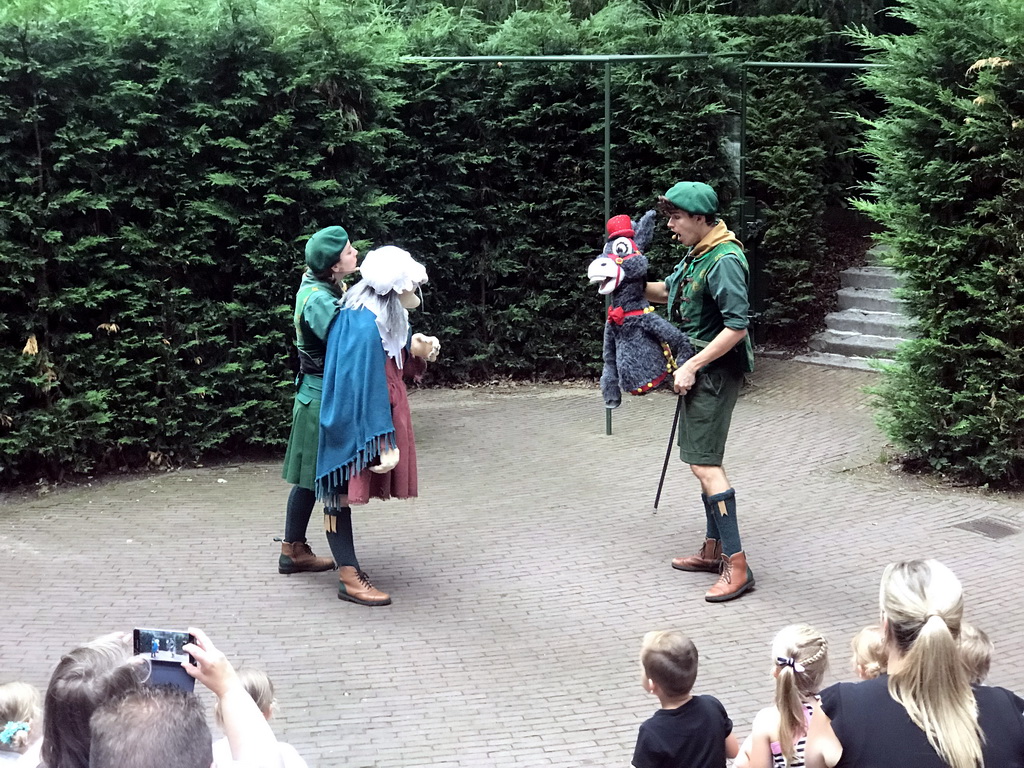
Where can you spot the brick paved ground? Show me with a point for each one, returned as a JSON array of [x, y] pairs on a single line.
[[523, 578]]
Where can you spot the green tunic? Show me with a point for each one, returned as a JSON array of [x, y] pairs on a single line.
[[316, 306], [712, 293]]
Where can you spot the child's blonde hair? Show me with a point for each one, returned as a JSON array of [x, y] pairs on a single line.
[[801, 658], [20, 709], [976, 650], [870, 656], [669, 658], [257, 684]]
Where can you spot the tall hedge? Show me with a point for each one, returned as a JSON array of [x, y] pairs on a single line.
[[500, 180], [949, 192], [158, 172], [789, 125], [162, 161]]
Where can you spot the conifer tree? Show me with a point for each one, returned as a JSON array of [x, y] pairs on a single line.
[[949, 192]]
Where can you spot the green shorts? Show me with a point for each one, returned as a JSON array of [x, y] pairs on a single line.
[[300, 458], [706, 415]]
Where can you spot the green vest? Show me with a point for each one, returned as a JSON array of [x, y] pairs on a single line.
[[316, 305], [709, 297]]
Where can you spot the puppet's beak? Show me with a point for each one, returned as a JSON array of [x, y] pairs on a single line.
[[606, 273]]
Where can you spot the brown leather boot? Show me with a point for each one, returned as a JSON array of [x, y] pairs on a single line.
[[296, 556], [354, 585], [708, 558], [735, 579]]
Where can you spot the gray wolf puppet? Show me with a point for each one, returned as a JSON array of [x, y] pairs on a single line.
[[641, 348]]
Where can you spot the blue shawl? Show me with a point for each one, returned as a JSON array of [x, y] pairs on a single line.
[[355, 411]]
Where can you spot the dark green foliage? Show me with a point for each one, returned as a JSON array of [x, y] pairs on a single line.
[[501, 179], [791, 147], [949, 191], [163, 161], [157, 179]]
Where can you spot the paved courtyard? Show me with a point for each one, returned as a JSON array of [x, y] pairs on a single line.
[[524, 576]]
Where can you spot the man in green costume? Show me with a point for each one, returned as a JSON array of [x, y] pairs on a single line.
[[708, 290], [329, 257]]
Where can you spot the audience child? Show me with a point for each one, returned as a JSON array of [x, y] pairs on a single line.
[[976, 650], [869, 653], [84, 678], [20, 719], [800, 656], [688, 731], [259, 686]]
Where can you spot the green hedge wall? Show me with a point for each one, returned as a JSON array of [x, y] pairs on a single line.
[[789, 119], [500, 185], [162, 164], [949, 191], [156, 179]]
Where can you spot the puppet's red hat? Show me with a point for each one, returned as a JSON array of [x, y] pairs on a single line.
[[620, 226]]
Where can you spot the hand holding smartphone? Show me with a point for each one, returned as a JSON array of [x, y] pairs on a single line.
[[165, 650]]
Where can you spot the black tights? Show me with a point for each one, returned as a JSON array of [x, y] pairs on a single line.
[[338, 525], [300, 507]]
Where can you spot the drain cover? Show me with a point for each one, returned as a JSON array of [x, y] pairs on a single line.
[[988, 526]]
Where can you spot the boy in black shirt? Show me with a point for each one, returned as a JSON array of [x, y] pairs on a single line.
[[688, 731]]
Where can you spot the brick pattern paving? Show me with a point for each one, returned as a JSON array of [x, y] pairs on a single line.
[[524, 576]]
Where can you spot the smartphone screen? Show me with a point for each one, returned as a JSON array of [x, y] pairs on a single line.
[[165, 650]]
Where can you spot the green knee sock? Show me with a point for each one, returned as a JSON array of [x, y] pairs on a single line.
[[723, 510], [339, 536], [712, 526]]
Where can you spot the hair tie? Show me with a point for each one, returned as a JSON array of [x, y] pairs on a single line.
[[789, 661], [12, 729]]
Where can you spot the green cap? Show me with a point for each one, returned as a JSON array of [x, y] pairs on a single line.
[[693, 197], [324, 248]]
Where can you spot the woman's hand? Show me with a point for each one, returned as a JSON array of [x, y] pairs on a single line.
[[212, 667]]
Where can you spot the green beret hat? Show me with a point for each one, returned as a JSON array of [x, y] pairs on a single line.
[[693, 197], [324, 248]]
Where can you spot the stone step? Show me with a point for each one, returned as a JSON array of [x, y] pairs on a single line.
[[836, 361], [877, 253], [872, 299], [854, 344], [873, 323], [869, 277]]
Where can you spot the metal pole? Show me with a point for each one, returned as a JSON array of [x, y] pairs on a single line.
[[607, 186], [807, 65], [595, 58], [743, 137]]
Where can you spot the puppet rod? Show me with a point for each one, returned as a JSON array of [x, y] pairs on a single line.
[[668, 451]]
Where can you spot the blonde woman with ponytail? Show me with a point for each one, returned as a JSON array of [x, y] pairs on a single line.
[[800, 659], [924, 713]]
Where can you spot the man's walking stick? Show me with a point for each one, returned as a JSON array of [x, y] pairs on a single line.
[[668, 451]]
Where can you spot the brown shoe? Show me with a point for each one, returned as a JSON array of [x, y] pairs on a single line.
[[296, 556], [709, 558], [735, 579], [354, 585]]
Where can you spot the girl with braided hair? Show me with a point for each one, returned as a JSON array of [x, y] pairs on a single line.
[[21, 710], [799, 661]]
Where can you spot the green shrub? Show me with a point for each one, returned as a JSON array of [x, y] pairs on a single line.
[[163, 160], [950, 154], [158, 178]]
